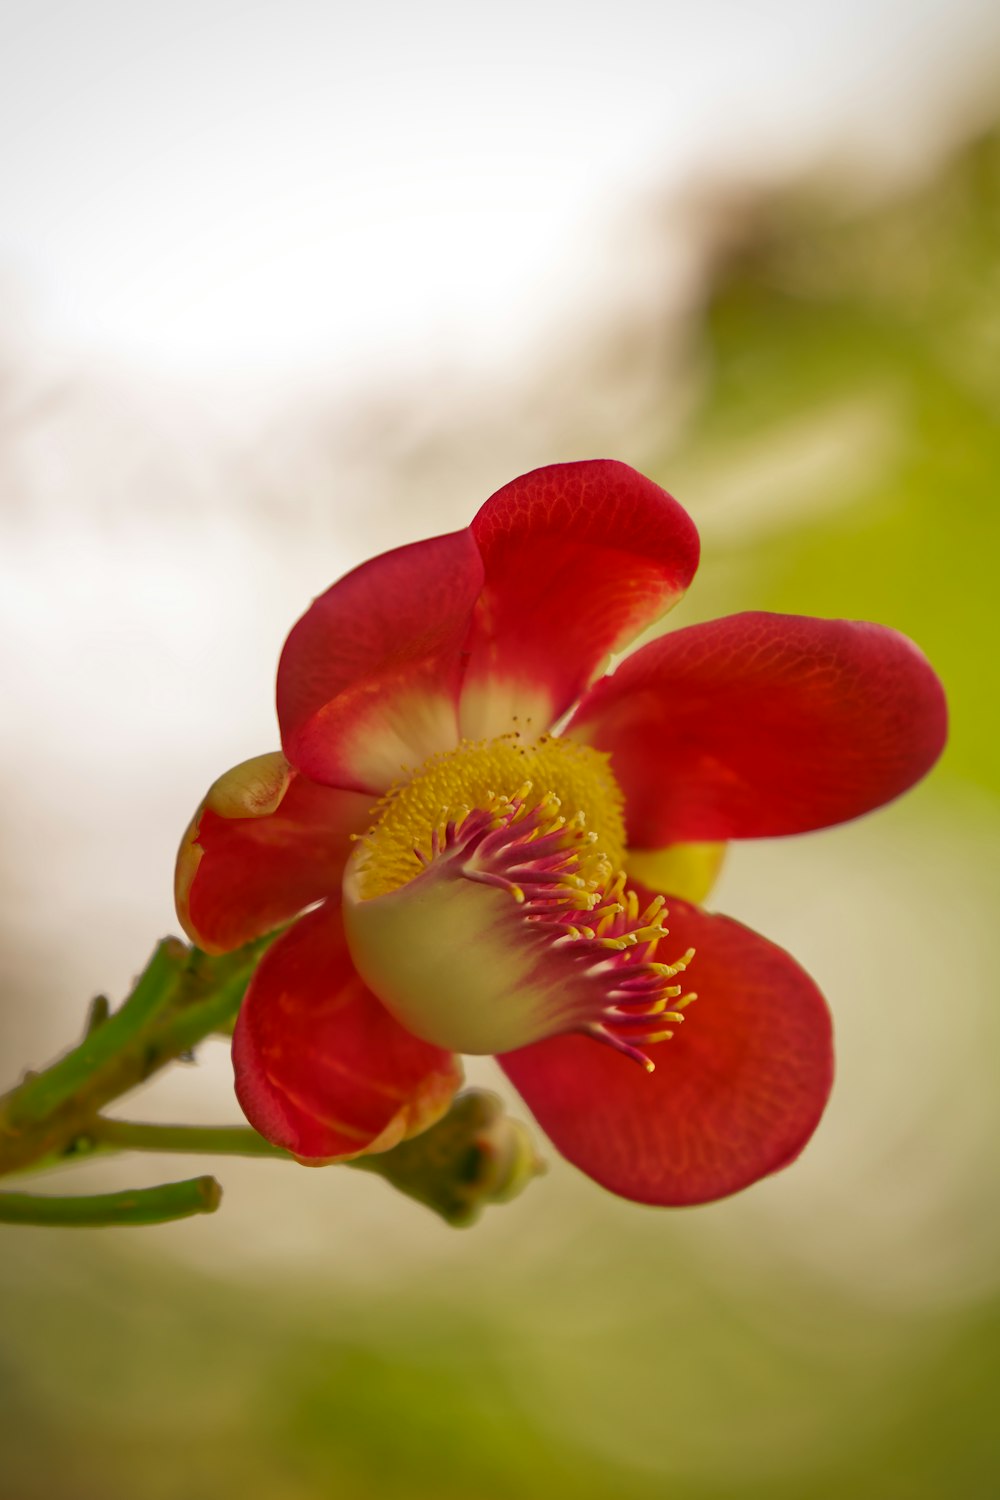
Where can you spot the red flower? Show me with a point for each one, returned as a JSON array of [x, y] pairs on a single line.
[[467, 862]]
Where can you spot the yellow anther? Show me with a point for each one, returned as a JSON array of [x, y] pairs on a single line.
[[648, 934], [659, 1007], [608, 912]]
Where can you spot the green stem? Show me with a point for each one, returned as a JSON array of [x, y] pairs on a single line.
[[44, 1093], [182, 996], [171, 1200], [215, 1140], [185, 1028], [100, 1010], [473, 1156]]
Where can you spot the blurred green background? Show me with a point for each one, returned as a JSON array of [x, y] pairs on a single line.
[[834, 414]]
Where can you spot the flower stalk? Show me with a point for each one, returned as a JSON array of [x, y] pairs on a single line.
[[181, 997], [158, 1205], [474, 1156]]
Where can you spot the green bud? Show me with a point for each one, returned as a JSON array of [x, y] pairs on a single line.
[[474, 1156]]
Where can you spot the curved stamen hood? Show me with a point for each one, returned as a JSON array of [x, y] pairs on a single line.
[[489, 926]]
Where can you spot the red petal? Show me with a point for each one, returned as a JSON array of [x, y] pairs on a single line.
[[760, 724], [737, 1091], [321, 1067], [579, 558], [369, 677], [265, 843]]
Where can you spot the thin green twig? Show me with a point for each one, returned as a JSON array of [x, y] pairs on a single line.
[[42, 1095], [181, 997], [157, 1205], [473, 1156], [214, 1140]]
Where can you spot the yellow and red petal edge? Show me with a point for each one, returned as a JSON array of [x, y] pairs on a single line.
[[757, 725], [736, 1092], [321, 1067], [264, 844]]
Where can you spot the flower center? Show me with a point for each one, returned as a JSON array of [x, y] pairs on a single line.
[[487, 910], [576, 779]]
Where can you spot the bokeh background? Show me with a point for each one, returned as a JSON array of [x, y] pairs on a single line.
[[282, 285]]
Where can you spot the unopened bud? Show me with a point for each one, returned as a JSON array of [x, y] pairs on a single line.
[[474, 1156]]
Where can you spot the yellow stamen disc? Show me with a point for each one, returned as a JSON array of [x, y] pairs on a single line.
[[572, 782]]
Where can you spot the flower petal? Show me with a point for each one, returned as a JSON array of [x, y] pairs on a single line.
[[760, 724], [321, 1067], [369, 677], [265, 843], [737, 1091], [579, 558], [686, 870]]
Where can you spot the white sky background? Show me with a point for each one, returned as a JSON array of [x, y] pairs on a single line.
[[200, 198], [237, 186]]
